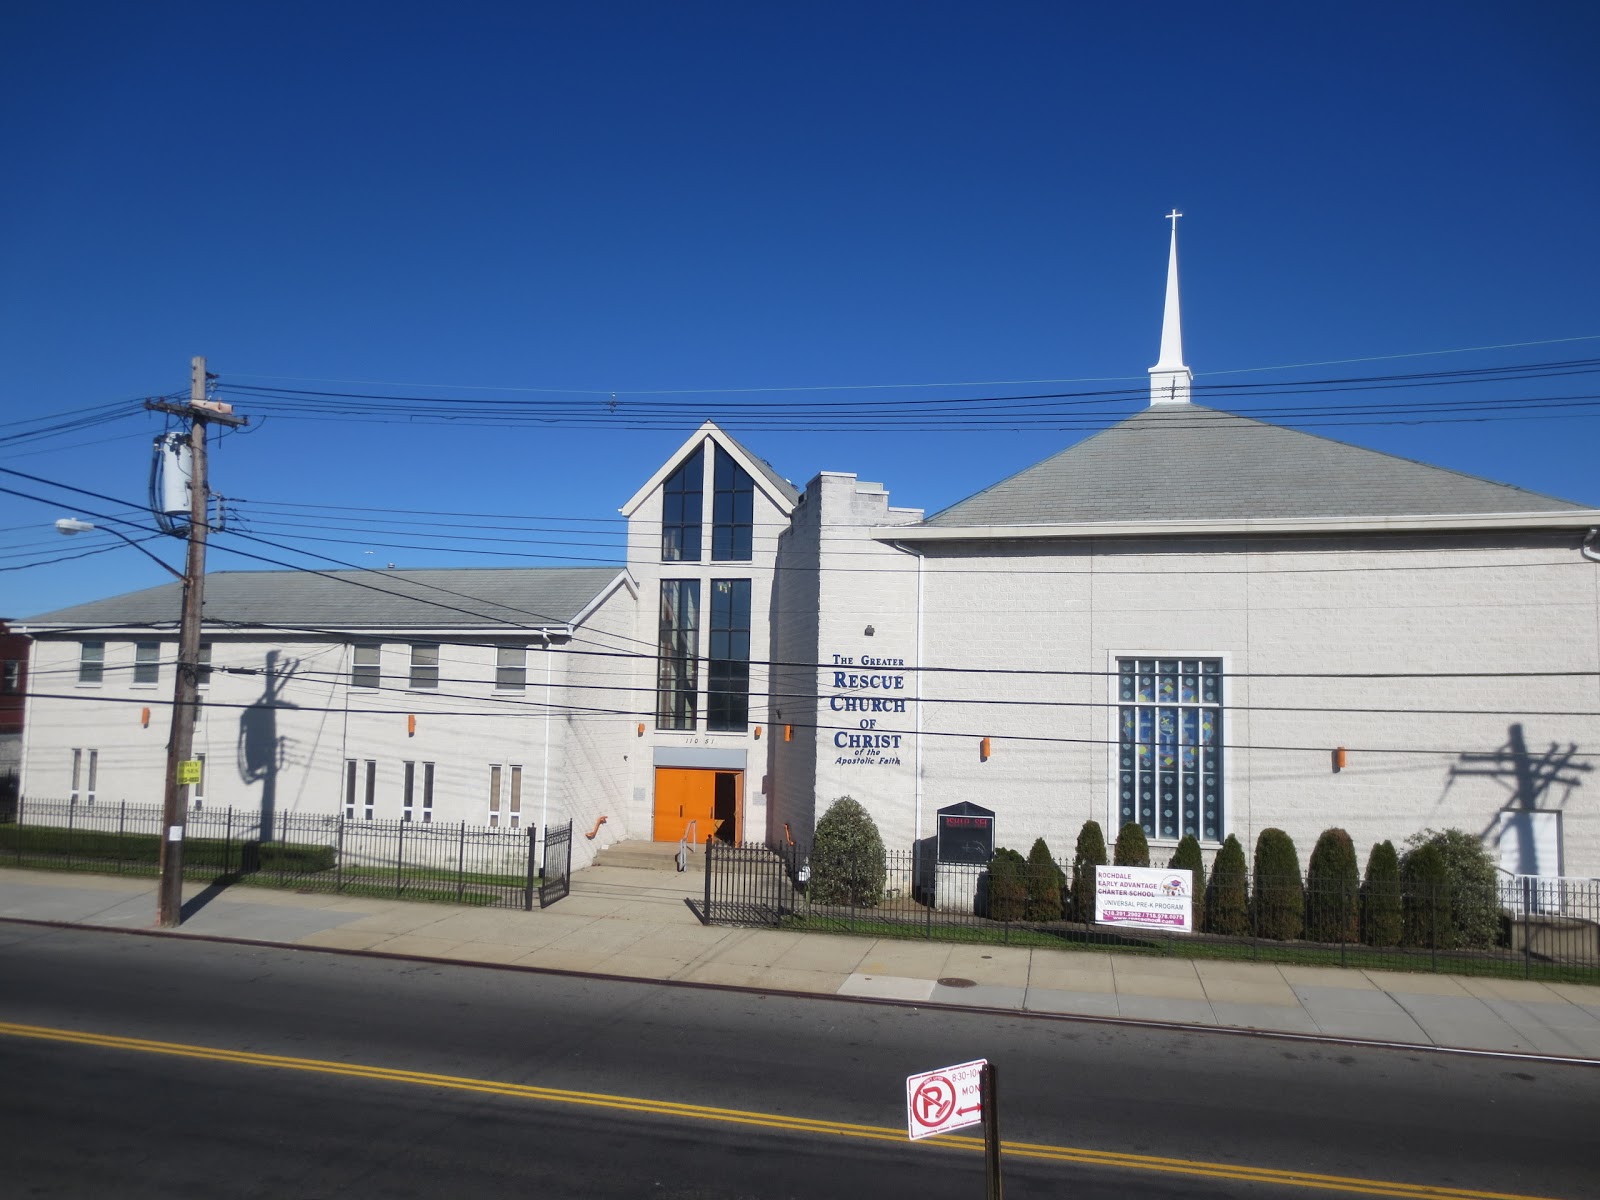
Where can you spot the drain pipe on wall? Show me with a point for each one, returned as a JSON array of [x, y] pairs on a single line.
[[917, 722], [544, 797], [1587, 548]]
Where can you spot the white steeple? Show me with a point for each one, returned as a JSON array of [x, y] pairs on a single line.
[[1169, 378]]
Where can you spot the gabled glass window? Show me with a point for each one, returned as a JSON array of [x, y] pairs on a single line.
[[677, 672], [1169, 752], [732, 511], [681, 497], [728, 685]]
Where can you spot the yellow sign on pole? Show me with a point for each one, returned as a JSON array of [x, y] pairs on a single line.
[[189, 771]]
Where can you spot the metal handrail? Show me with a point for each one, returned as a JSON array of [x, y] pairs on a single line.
[[683, 846]]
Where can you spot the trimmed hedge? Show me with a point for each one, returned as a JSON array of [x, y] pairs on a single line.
[[93, 845], [1333, 889], [1472, 883], [1280, 898], [1089, 853], [1189, 858], [847, 857], [1047, 884], [1380, 897], [1425, 917], [1227, 908], [1008, 889], [1133, 848]]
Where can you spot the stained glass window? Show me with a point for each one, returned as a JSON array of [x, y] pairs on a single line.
[[1169, 746]]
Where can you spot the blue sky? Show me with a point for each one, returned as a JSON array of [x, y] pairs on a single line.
[[508, 202]]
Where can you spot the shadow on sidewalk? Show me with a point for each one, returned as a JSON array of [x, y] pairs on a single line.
[[215, 888]]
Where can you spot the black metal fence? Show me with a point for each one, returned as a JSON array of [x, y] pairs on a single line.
[[466, 864], [1534, 927], [557, 866]]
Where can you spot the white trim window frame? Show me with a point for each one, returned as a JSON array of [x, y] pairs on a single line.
[[505, 795], [91, 663], [146, 664], [1169, 765], [424, 667], [510, 668], [366, 665], [85, 772]]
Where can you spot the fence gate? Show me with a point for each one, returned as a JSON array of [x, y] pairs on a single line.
[[557, 864]]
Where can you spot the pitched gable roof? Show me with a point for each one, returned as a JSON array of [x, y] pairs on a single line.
[[470, 599], [782, 492], [1193, 464]]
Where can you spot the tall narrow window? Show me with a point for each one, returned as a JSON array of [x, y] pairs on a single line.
[[91, 662], [408, 791], [732, 511], [147, 662], [12, 681], [372, 789], [728, 682], [510, 668], [1170, 746], [677, 677], [197, 790], [350, 789], [494, 793], [425, 665], [85, 766], [681, 497], [364, 669], [514, 797], [427, 792], [202, 670]]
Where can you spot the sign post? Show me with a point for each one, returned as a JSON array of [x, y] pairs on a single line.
[[953, 1098], [991, 1132]]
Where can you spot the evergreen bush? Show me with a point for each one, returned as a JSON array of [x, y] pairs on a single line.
[[1279, 895], [1132, 849], [1380, 897], [1089, 853], [1008, 886], [1047, 884], [1227, 910], [846, 857], [1333, 889], [1472, 883], [1189, 858], [1425, 897]]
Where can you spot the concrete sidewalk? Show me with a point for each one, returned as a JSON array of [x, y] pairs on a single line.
[[636, 924]]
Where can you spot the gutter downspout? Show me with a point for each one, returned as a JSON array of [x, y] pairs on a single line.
[[1587, 548], [917, 722], [544, 795]]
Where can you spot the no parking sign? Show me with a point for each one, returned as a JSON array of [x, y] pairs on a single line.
[[946, 1099]]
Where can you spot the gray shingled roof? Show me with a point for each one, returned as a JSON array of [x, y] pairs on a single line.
[[470, 598], [786, 488], [1188, 463]]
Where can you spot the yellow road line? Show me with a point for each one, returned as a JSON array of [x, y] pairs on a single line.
[[701, 1112]]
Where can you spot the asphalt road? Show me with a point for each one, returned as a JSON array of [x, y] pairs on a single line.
[[558, 1086]]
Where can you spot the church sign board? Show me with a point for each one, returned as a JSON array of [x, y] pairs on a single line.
[[966, 834]]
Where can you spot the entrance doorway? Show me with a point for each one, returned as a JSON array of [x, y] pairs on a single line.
[[713, 800]]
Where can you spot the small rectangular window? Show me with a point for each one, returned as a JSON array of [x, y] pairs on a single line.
[[91, 662], [197, 790], [202, 671], [11, 682], [364, 670], [510, 668], [425, 665], [147, 662], [494, 793]]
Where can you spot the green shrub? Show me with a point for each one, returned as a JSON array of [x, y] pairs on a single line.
[[1279, 895], [1132, 849], [1089, 853], [1189, 858], [1380, 897], [144, 849], [1047, 884], [1333, 889], [1472, 883], [1008, 887], [1227, 910], [846, 857], [1425, 897]]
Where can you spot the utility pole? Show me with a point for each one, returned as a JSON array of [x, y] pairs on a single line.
[[180, 743]]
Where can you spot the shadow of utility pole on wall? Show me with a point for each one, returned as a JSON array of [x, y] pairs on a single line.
[[1530, 780], [260, 746]]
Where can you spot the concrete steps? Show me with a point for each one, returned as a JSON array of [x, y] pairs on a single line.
[[646, 856]]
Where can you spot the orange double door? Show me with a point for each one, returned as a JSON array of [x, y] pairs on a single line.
[[713, 800]]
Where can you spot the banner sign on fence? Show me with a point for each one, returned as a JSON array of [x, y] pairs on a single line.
[[946, 1099], [1144, 898]]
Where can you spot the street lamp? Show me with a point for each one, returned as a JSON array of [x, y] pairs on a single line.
[[180, 740]]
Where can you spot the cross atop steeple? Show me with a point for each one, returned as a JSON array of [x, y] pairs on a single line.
[[1169, 378]]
